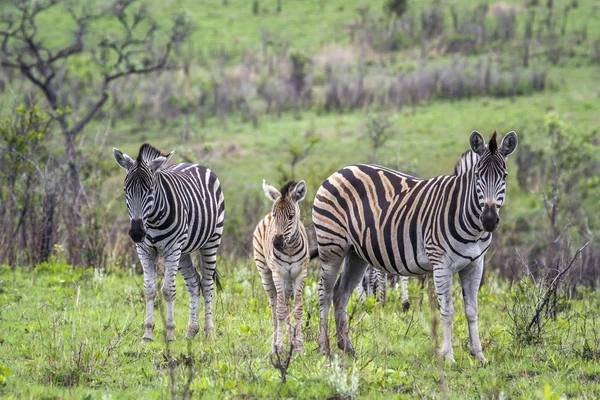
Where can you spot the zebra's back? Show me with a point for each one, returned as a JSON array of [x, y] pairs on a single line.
[[389, 218], [193, 207]]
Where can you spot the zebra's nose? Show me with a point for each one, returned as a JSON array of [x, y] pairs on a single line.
[[137, 233], [278, 242], [490, 219]]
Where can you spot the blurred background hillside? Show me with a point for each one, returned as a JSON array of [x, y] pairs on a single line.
[[295, 89]]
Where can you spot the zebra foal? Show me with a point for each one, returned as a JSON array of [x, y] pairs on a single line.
[[402, 225], [281, 255], [174, 211]]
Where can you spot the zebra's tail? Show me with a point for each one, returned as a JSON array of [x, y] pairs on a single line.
[[217, 279]]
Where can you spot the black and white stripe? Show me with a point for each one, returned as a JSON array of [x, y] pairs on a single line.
[[281, 254], [402, 225], [374, 282], [174, 211]]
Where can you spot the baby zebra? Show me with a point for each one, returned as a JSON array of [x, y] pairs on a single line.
[[281, 256]]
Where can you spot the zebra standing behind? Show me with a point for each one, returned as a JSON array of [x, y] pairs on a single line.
[[374, 282], [281, 255], [368, 214], [174, 211]]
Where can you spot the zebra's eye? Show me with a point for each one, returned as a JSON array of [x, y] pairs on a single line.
[[290, 217]]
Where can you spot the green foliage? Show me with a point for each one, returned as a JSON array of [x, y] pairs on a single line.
[[23, 135], [73, 336]]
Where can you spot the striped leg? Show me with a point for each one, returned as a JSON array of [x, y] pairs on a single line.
[[148, 258], [470, 279], [169, 289], [209, 267], [282, 310], [266, 277], [442, 277], [352, 273], [298, 288], [329, 272], [405, 298], [381, 286], [192, 283]]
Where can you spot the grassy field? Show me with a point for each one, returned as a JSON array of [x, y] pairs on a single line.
[[77, 334]]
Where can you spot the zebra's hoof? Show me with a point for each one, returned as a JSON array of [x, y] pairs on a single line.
[[346, 346], [405, 306], [148, 339], [479, 356]]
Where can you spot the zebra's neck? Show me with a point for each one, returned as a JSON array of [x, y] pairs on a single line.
[[471, 210], [296, 238], [163, 206]]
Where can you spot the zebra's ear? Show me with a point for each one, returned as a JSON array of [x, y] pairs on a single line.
[[270, 191], [509, 144], [122, 159], [477, 143], [160, 162], [300, 191]]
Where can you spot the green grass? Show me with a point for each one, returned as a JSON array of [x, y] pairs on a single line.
[[76, 334]]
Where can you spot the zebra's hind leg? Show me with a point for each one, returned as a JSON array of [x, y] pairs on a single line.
[[148, 258], [169, 290], [192, 283], [352, 273], [209, 268], [329, 272], [405, 298]]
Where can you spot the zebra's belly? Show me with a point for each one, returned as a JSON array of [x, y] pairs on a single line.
[[164, 244], [290, 271], [397, 258]]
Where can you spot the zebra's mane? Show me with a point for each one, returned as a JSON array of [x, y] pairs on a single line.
[[467, 161], [286, 188], [148, 153]]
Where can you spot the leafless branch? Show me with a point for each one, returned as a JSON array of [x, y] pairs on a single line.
[[553, 287]]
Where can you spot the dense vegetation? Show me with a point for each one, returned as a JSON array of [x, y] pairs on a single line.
[[284, 89]]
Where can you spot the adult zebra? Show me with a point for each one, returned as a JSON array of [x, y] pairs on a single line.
[[174, 211], [409, 226]]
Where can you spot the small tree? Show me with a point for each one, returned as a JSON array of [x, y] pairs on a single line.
[[134, 50], [378, 132]]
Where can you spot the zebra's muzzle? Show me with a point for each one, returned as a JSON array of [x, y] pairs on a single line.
[[278, 242], [137, 233], [490, 219]]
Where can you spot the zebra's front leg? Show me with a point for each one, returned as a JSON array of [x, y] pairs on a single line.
[[192, 284], [470, 279], [209, 270], [297, 341], [442, 277], [283, 310], [148, 259], [405, 298], [169, 291]]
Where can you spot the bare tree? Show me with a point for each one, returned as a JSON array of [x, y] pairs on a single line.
[[24, 46]]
